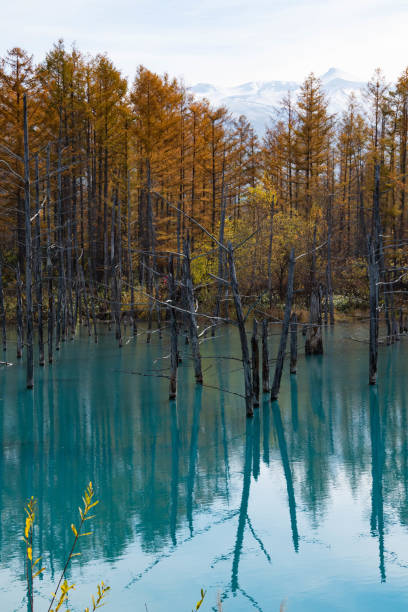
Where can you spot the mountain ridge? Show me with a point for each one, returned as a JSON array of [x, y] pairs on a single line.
[[258, 100]]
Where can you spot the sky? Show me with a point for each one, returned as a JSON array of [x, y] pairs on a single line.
[[223, 42]]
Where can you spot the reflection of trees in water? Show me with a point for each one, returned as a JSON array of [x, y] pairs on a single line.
[[377, 467], [288, 473], [152, 464], [156, 466]]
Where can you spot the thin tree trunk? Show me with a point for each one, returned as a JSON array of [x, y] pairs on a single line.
[[285, 329], [221, 257], [189, 293], [59, 321], [38, 265], [2, 309], [255, 363], [271, 214], [293, 343], [50, 319], [85, 299], [92, 293], [373, 345], [173, 333], [242, 333], [265, 358], [19, 313], [28, 262], [314, 341], [130, 263]]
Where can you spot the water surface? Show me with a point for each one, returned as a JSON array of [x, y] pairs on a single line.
[[307, 502]]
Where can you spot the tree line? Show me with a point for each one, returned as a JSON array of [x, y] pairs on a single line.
[[101, 181]]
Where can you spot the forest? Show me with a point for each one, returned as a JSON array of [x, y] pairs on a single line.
[[103, 180]]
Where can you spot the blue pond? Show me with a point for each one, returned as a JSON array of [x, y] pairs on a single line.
[[306, 503]]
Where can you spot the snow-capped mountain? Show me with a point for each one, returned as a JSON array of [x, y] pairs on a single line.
[[257, 100]]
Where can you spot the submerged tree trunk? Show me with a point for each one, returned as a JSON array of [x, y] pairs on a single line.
[[28, 262], [285, 329], [255, 363], [314, 340], [265, 358], [38, 265], [293, 343], [329, 265], [373, 343], [173, 333], [130, 263], [2, 309], [242, 333], [221, 257], [50, 321], [189, 293], [19, 313]]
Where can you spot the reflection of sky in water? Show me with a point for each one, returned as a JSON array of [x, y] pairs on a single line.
[[307, 502]]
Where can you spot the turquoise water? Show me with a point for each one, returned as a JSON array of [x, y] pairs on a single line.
[[306, 503]]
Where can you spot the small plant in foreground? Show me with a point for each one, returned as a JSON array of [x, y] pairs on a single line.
[[61, 592], [198, 605]]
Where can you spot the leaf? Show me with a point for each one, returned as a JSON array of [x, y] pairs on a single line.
[[30, 553], [74, 530], [39, 572]]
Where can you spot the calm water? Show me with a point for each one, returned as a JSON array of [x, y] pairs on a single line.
[[306, 503]]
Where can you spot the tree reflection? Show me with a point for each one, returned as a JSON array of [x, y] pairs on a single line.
[[288, 473], [167, 473]]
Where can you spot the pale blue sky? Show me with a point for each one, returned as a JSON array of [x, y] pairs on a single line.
[[220, 41]]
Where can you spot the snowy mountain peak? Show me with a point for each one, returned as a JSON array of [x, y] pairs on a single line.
[[335, 73], [259, 99]]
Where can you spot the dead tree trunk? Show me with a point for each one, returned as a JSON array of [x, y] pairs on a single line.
[[329, 265], [285, 329], [85, 299], [221, 257], [19, 313], [242, 333], [92, 294], [151, 269], [326, 305], [271, 214], [189, 293], [118, 275], [387, 308], [2, 310], [314, 341], [293, 343], [158, 307], [28, 262], [50, 320], [173, 332], [255, 363], [38, 265], [60, 306], [373, 275], [130, 263], [265, 358]]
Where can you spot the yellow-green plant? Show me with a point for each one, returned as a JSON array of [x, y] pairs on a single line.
[[61, 592], [198, 605]]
